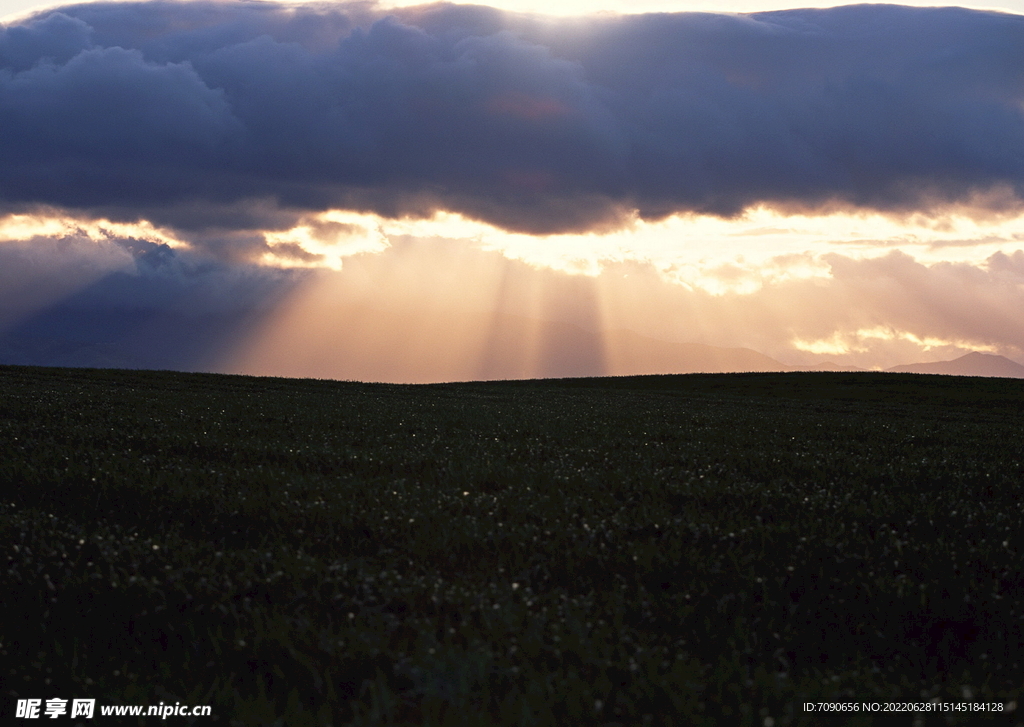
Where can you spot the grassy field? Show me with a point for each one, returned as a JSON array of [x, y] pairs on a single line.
[[671, 550]]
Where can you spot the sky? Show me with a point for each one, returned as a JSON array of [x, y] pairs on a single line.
[[18, 8], [448, 192]]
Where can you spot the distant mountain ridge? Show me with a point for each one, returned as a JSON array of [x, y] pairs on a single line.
[[630, 354], [641, 355], [971, 364]]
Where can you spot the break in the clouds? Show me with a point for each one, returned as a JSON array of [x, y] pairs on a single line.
[[217, 120]]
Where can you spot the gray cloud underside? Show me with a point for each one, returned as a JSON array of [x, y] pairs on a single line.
[[128, 304], [244, 116]]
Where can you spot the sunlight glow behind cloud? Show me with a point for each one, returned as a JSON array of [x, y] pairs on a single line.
[[461, 192], [56, 225], [860, 341], [700, 252]]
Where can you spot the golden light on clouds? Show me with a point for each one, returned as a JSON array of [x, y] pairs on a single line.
[[860, 341], [56, 225], [712, 254], [329, 237], [708, 253]]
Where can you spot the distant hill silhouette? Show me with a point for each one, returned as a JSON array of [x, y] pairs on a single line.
[[629, 353], [971, 364], [562, 349]]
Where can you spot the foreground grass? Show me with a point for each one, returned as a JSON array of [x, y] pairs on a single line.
[[658, 550]]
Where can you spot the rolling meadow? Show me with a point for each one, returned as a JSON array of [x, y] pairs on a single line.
[[659, 550]]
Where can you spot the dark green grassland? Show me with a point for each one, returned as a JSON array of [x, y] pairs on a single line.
[[659, 550]]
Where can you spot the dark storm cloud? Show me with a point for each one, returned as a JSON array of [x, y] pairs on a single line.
[[216, 119], [128, 303]]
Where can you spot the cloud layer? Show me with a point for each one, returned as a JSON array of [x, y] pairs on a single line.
[[220, 119]]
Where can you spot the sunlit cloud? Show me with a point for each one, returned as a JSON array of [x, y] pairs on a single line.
[[52, 224], [716, 255], [862, 340], [326, 239]]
